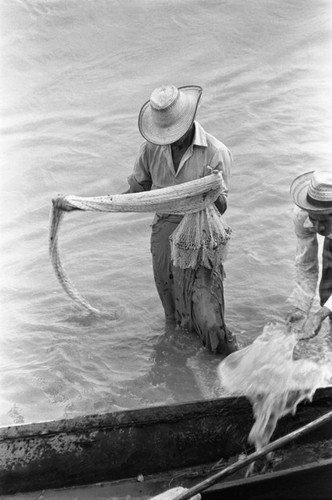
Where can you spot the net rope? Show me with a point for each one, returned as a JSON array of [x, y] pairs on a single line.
[[200, 239]]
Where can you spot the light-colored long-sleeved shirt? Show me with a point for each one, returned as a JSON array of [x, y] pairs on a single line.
[[154, 168], [306, 263]]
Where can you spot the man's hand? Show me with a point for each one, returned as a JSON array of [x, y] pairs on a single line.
[[295, 315], [313, 324], [61, 203]]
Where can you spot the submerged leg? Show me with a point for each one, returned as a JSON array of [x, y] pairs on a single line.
[[194, 298], [208, 311], [161, 261]]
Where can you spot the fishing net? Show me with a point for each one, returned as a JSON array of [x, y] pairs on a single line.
[[269, 376], [200, 239]]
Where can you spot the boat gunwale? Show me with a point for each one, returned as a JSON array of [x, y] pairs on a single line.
[[121, 418], [140, 416]]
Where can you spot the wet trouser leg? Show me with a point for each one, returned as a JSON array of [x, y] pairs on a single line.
[[208, 311], [162, 265], [193, 297]]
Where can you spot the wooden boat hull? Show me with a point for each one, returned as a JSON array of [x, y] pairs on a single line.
[[311, 481], [121, 445]]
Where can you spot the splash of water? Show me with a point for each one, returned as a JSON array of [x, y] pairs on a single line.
[[273, 381]]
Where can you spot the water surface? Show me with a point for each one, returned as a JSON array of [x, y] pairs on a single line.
[[74, 75]]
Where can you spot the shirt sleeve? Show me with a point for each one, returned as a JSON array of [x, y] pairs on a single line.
[[140, 179], [306, 262], [223, 161]]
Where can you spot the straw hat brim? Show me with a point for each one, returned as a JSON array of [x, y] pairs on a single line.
[[299, 191], [162, 136]]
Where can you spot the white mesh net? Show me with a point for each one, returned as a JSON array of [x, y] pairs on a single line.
[[266, 373], [200, 239]]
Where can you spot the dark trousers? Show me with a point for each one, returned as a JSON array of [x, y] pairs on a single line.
[[325, 286], [193, 297]]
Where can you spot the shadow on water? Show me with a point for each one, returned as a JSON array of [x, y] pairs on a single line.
[[170, 365], [182, 370]]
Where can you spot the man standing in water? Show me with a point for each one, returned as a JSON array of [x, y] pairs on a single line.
[[177, 149], [312, 194]]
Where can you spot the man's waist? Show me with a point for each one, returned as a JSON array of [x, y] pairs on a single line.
[[174, 218]]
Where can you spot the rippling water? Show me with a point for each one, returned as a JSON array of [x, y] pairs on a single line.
[[74, 75]]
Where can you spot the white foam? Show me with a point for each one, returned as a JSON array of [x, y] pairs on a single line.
[[274, 382]]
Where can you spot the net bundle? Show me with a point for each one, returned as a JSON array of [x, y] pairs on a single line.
[[273, 381], [199, 240]]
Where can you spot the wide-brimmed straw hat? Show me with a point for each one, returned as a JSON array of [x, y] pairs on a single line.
[[312, 191], [169, 113]]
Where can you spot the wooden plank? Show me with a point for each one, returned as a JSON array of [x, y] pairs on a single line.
[[124, 444]]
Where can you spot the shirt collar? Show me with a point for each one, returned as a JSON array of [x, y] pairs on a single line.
[[200, 136], [307, 223]]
